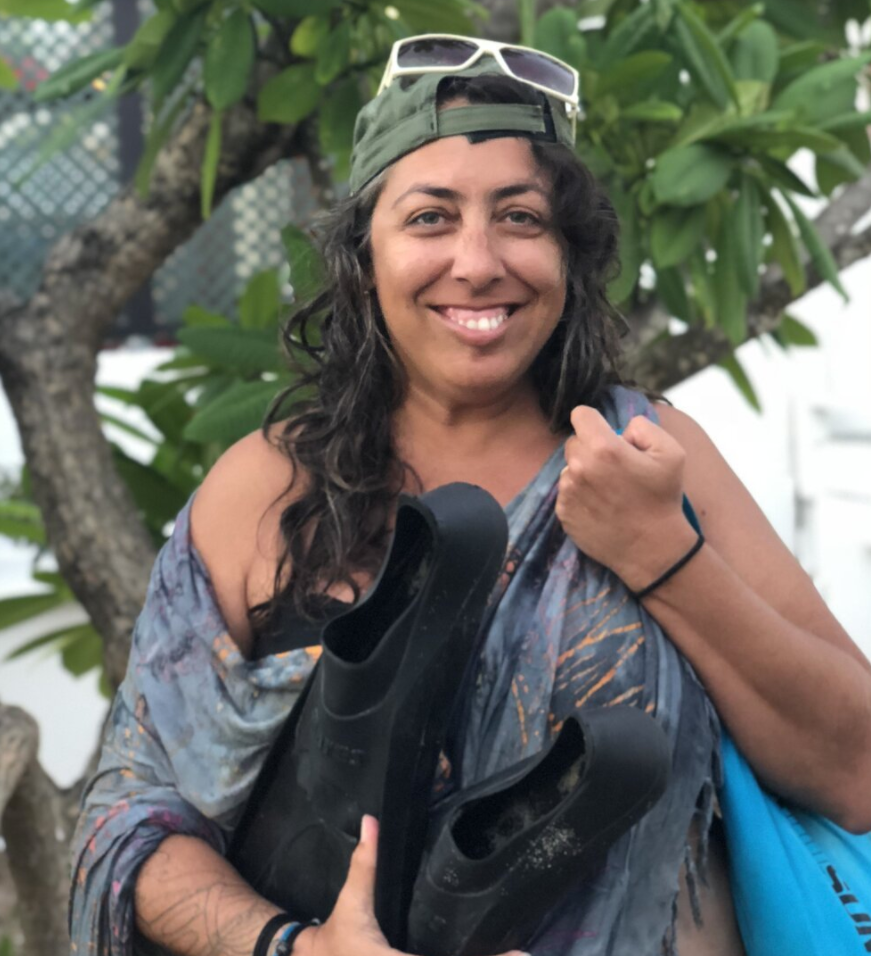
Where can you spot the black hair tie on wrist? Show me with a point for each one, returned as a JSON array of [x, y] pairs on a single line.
[[694, 550], [271, 927]]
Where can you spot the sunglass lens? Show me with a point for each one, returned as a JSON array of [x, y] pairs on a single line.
[[418, 53], [539, 69]]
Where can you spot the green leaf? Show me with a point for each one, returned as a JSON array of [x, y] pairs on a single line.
[[671, 289], [784, 246], [785, 140], [825, 91], [818, 250], [675, 233], [793, 332], [239, 411], [295, 9], [630, 245], [306, 265], [336, 124], [158, 499], [75, 76], [125, 426], [800, 57], [82, 650], [13, 610], [176, 53], [446, 16], [209, 171], [690, 175], [334, 56], [228, 61], [57, 636], [142, 50], [309, 36], [556, 33], [195, 316], [261, 301], [290, 96], [22, 521], [742, 380], [164, 404], [839, 166], [704, 57], [625, 77], [630, 33], [44, 10], [780, 174], [652, 111], [157, 136], [848, 121], [8, 77], [740, 23], [748, 225], [246, 351], [756, 53], [730, 300]]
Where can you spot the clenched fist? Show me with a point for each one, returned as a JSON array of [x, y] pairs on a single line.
[[620, 496]]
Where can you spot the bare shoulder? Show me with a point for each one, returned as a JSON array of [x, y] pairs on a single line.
[[234, 522], [736, 527]]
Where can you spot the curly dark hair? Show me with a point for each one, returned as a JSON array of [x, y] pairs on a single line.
[[339, 433]]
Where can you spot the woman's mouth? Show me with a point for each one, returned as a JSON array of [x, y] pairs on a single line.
[[476, 320]]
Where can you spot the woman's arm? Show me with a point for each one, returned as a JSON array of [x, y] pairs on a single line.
[[190, 900], [791, 686]]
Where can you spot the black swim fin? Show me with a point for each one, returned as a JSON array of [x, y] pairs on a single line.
[[367, 731], [502, 854]]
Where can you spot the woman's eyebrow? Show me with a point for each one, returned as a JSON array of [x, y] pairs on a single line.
[[438, 192], [503, 192]]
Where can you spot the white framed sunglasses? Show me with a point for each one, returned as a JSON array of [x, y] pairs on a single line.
[[448, 53]]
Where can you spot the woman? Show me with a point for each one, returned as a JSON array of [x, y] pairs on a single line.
[[468, 338]]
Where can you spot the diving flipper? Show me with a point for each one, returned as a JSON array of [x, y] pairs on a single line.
[[365, 735], [502, 853]]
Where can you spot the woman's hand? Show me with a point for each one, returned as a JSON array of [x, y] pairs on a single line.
[[352, 929], [620, 496]]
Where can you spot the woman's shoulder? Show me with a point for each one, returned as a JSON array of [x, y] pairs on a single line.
[[234, 522]]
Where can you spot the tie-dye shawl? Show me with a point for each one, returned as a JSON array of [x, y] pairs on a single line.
[[193, 720]]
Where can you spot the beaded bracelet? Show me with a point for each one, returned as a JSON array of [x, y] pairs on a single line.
[[672, 570]]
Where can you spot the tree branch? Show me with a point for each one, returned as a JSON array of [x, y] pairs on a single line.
[[35, 834], [48, 360]]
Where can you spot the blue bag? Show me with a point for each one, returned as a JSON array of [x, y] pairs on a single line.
[[801, 885]]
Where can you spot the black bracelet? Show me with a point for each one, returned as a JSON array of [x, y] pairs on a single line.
[[672, 570], [288, 937], [267, 934]]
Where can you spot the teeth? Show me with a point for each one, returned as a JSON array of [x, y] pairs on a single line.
[[483, 324]]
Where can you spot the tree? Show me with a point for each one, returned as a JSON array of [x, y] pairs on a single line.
[[692, 112]]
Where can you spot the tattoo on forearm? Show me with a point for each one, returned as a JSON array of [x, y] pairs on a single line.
[[218, 918]]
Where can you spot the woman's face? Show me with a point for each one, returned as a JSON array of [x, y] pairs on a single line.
[[468, 271]]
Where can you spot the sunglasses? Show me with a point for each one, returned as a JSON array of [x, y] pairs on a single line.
[[445, 53]]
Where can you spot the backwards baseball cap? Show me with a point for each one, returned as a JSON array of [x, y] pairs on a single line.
[[404, 117]]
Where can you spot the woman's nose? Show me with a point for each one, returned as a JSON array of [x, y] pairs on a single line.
[[477, 257]]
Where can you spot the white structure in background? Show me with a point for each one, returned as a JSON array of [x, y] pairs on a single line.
[[806, 460]]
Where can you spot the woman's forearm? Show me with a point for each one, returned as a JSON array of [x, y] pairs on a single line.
[[798, 707], [191, 901]]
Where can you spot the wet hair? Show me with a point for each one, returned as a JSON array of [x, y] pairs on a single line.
[[339, 428]]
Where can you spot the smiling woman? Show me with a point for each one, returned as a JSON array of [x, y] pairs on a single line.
[[465, 335]]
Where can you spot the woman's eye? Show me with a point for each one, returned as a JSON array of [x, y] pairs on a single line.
[[428, 218], [518, 217]]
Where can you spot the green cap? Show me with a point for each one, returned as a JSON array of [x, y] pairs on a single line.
[[400, 120]]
